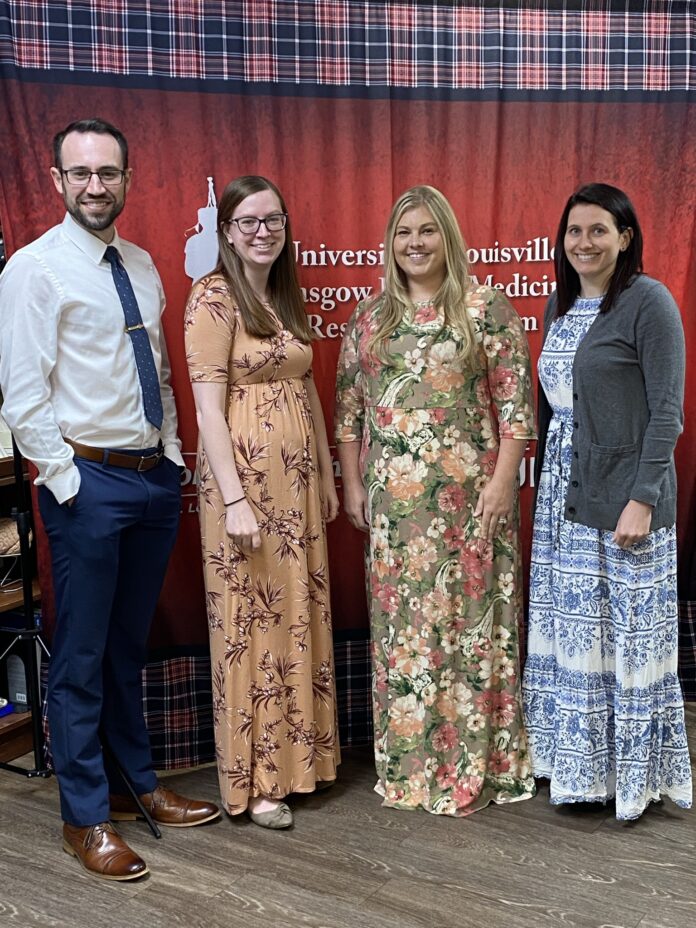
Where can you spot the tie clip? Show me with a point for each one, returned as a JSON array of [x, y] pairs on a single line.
[[132, 328]]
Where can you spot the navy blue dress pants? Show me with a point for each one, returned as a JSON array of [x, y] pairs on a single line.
[[109, 553]]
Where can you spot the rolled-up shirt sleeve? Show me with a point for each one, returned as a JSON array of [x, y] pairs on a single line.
[[30, 306]]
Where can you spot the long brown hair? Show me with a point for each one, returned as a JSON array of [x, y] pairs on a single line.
[[283, 285], [391, 306]]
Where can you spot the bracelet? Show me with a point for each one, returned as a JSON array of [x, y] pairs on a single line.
[[233, 502]]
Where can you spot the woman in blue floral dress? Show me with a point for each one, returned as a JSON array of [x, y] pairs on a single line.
[[434, 411], [603, 706]]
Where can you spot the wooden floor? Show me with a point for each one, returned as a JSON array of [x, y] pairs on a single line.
[[348, 863]]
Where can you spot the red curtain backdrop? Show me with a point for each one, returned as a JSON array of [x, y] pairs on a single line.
[[506, 160]]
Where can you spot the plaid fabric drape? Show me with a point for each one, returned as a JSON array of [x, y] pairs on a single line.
[[567, 46], [687, 648]]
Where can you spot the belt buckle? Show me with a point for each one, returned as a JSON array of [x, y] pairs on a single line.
[[156, 457]]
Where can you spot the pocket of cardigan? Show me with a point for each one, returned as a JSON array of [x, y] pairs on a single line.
[[612, 471]]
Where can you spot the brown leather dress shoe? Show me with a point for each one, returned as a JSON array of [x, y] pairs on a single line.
[[166, 808], [103, 852]]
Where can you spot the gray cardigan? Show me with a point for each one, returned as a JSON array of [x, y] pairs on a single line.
[[628, 391]]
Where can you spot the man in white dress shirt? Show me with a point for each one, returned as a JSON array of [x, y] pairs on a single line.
[[85, 379]]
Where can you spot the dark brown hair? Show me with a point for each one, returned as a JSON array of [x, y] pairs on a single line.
[[94, 124], [629, 263], [285, 291]]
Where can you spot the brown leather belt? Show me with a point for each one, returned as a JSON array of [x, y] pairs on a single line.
[[104, 456]]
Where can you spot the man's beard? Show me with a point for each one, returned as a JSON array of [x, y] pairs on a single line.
[[95, 223]]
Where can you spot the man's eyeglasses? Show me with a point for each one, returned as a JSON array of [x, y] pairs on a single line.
[[80, 177], [249, 225]]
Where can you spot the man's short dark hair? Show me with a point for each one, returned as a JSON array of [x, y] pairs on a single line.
[[100, 126]]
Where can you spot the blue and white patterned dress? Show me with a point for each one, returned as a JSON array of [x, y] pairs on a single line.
[[603, 706]]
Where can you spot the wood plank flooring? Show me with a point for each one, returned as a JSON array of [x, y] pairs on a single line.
[[349, 863]]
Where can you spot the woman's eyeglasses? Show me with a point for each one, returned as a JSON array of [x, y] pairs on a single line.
[[250, 225]]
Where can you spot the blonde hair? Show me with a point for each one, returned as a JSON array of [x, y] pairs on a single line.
[[391, 306]]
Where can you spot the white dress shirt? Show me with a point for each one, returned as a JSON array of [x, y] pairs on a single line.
[[67, 366]]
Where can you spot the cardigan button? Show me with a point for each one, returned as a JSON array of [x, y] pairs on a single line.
[[575, 396], [575, 454], [575, 483], [571, 510], [576, 425]]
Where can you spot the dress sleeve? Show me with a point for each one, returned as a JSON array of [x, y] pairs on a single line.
[[209, 328], [508, 368], [350, 400]]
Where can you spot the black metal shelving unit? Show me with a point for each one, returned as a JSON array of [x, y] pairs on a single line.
[[29, 635]]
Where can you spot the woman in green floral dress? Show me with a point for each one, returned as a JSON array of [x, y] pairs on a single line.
[[434, 410]]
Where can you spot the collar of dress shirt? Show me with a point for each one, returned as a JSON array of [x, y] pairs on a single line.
[[88, 243]]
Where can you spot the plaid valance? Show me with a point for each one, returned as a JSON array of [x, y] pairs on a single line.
[[543, 46]]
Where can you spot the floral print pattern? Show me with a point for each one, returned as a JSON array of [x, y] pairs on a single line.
[[444, 603], [602, 700], [274, 703]]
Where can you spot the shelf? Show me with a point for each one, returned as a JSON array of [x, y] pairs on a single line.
[[15, 735], [14, 599], [21, 732], [7, 474]]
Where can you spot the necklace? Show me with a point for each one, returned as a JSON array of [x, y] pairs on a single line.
[[421, 304]]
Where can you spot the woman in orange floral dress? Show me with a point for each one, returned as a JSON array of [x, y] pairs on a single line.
[[266, 489], [434, 410]]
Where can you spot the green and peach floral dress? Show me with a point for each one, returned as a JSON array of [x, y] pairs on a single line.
[[444, 604]]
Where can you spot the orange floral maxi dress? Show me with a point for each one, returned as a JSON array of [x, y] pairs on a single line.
[[274, 701]]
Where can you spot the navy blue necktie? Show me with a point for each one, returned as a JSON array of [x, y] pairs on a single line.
[[144, 361]]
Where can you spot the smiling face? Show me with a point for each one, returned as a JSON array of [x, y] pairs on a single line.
[[257, 250], [94, 206], [420, 252], [592, 245]]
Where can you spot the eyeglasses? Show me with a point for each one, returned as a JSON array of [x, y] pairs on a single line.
[[80, 177], [249, 225]]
